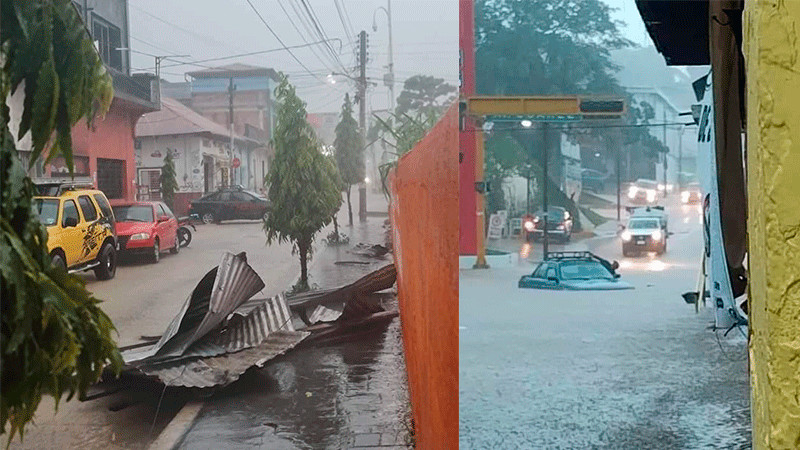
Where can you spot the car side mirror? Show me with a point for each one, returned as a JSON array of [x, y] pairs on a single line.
[[553, 279], [615, 265], [71, 222], [163, 219]]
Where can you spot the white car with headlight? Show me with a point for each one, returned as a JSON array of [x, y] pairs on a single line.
[[643, 192], [643, 234]]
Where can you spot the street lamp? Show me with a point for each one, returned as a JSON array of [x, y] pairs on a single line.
[[388, 80]]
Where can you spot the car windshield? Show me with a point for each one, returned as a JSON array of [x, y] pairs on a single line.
[[47, 209], [133, 213], [555, 215], [254, 194], [643, 224], [584, 270], [647, 184]]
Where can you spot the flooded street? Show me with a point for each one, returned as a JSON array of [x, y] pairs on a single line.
[[601, 369]]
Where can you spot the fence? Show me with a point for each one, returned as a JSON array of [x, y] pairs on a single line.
[[424, 213]]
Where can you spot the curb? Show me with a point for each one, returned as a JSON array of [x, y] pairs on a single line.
[[177, 428]]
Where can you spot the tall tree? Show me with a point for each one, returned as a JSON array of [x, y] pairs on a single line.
[[545, 47], [169, 183], [349, 153], [424, 93], [54, 338], [302, 183]]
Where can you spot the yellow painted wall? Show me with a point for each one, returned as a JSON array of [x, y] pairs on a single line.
[[773, 171]]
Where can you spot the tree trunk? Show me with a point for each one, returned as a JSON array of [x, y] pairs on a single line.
[[302, 247], [349, 208], [336, 228]]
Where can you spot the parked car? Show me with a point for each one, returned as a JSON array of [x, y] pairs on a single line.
[[692, 194], [574, 271], [229, 204], [592, 180], [81, 231], [643, 192], [146, 228], [559, 224], [644, 234]]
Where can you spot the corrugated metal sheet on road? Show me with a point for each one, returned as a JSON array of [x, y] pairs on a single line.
[[217, 295], [224, 369], [245, 331]]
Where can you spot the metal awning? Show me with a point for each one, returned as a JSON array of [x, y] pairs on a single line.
[[679, 29]]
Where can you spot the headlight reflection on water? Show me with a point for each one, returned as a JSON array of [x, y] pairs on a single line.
[[525, 251]]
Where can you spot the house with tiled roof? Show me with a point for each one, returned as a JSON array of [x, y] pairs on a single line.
[[200, 148]]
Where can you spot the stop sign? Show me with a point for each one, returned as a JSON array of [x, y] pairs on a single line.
[[236, 163]]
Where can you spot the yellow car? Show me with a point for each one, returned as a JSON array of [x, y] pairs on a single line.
[[80, 229]]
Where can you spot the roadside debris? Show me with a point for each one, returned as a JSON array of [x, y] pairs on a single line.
[[209, 342], [220, 332], [372, 251]]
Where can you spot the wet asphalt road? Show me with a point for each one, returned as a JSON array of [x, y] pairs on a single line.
[[346, 395], [616, 369]]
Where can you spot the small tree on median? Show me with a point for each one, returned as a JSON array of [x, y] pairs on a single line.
[[169, 184], [349, 145], [303, 190]]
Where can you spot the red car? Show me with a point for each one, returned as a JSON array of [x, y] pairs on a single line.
[[146, 228]]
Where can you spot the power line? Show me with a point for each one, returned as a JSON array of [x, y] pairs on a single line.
[[344, 22], [190, 32], [240, 55], [347, 16], [302, 36], [320, 30], [281, 41]]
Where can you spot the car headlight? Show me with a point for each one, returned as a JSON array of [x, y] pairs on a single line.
[[560, 227], [626, 236], [529, 226], [685, 196], [140, 236], [657, 235], [651, 195]]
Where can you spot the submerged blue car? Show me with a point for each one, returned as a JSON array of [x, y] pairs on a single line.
[[574, 271]]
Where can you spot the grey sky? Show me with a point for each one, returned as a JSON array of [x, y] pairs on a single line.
[[425, 41], [633, 27]]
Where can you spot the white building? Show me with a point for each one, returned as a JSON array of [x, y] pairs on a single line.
[[199, 148]]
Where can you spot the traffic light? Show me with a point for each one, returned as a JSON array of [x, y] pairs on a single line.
[[602, 108]]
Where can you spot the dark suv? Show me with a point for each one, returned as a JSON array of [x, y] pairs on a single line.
[[559, 224], [229, 204]]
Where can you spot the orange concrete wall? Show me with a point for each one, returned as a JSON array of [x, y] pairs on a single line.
[[424, 214]]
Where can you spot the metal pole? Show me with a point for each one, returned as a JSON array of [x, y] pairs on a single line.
[[362, 119], [528, 193], [480, 262], [545, 240], [665, 175], [619, 180], [680, 158], [231, 88], [391, 59]]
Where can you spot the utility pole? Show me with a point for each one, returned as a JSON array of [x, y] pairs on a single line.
[[680, 158], [619, 169], [362, 117], [545, 179], [231, 89]]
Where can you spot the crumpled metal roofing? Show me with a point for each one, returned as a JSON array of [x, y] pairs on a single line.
[[223, 369], [212, 341]]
